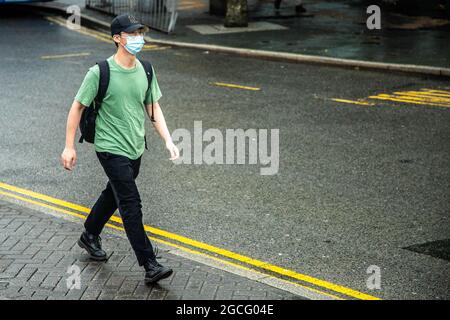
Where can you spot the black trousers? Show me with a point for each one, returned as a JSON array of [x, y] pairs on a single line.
[[121, 193]]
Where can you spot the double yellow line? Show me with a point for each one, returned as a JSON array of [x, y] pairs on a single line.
[[237, 260]]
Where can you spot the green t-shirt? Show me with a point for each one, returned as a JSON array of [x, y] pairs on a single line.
[[119, 127]]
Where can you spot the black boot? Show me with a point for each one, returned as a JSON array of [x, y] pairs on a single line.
[[155, 271], [93, 245]]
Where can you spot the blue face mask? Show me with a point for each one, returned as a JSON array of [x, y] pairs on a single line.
[[134, 44]]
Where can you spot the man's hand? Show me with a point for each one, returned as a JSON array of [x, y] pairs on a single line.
[[174, 153], [161, 127], [68, 158]]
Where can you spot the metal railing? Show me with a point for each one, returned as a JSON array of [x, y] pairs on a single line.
[[157, 14]]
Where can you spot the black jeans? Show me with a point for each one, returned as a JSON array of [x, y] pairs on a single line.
[[121, 192]]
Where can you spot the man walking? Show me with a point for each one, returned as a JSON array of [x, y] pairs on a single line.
[[120, 142]]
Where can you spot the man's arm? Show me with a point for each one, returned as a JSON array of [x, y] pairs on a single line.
[[161, 127], [69, 156]]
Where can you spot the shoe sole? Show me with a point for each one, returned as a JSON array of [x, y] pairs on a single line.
[[159, 276], [83, 246]]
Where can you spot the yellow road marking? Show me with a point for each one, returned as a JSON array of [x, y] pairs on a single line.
[[69, 55], [206, 247], [41, 196], [425, 94], [100, 35], [241, 267], [150, 46], [62, 22], [363, 103], [92, 33], [447, 93], [155, 48], [230, 85], [413, 99], [42, 204], [165, 242], [422, 97], [426, 97], [187, 7], [394, 98], [50, 207]]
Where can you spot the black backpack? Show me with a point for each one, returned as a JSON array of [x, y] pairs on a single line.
[[89, 115]]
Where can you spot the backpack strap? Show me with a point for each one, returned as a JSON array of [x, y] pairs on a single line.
[[103, 83], [149, 72]]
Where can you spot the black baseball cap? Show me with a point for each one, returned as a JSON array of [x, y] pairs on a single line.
[[126, 23]]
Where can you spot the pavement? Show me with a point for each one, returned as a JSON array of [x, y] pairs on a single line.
[[363, 175], [38, 256], [327, 29]]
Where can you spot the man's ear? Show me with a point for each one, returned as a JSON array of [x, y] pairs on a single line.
[[116, 39]]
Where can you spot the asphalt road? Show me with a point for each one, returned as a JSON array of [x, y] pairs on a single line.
[[356, 184]]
